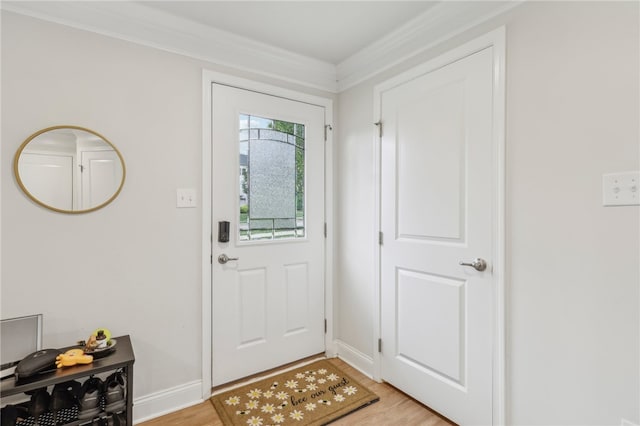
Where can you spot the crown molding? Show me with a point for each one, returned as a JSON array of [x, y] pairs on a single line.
[[140, 24], [147, 26], [439, 23]]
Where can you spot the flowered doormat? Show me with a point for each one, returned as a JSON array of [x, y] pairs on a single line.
[[315, 394]]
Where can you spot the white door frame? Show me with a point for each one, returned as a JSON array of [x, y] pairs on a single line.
[[208, 78], [497, 40]]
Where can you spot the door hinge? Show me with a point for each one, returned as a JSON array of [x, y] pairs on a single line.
[[380, 345], [325, 326], [379, 124], [325, 229], [380, 238], [81, 168], [327, 127], [211, 259]]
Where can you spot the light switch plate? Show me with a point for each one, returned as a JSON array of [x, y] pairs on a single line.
[[186, 198], [621, 189]]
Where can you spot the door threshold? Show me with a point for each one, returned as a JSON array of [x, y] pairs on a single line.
[[267, 373]]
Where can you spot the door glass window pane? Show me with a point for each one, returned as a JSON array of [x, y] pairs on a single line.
[[271, 179]]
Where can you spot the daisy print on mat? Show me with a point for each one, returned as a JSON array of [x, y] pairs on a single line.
[[311, 395]]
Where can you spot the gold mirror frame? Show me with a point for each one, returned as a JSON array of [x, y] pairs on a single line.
[[23, 187]]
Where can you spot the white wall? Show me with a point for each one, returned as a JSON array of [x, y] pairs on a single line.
[[573, 276], [574, 301], [134, 266]]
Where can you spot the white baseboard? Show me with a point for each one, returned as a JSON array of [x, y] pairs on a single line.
[[355, 358], [625, 422], [167, 401]]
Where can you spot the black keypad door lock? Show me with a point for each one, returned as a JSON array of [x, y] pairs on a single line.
[[223, 231]]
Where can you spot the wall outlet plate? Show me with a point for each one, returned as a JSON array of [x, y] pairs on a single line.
[[621, 189]]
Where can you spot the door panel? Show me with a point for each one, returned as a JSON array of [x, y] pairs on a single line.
[[297, 298], [430, 145], [436, 344], [252, 300], [436, 196], [268, 182]]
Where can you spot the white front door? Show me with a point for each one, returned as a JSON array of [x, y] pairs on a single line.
[[436, 211], [268, 184]]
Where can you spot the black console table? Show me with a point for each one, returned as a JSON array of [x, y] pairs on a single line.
[[122, 357]]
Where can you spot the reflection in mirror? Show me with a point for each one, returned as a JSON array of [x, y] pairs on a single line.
[[69, 169]]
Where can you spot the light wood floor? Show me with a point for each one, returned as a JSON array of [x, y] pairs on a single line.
[[394, 408]]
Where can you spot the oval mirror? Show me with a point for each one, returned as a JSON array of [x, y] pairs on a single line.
[[69, 169]]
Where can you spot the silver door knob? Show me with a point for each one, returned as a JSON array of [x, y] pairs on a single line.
[[223, 258], [477, 264]]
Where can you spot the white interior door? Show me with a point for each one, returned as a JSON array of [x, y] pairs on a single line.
[[268, 183], [49, 178], [101, 177], [436, 211]]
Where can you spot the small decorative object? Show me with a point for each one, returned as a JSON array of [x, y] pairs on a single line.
[[99, 339], [91, 344], [73, 357], [99, 344]]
